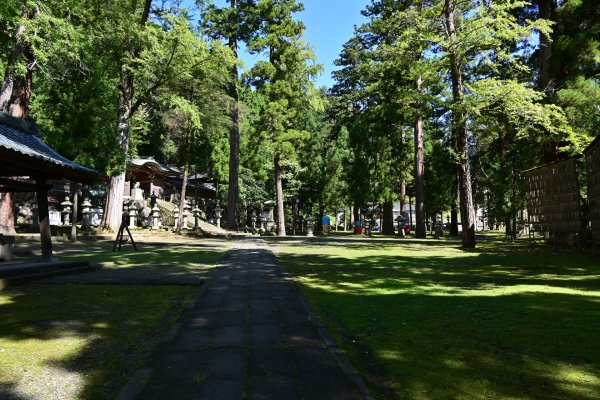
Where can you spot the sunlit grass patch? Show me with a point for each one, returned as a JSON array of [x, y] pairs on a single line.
[[443, 323], [80, 341]]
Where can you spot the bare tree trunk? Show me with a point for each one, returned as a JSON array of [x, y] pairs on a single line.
[[234, 137], [17, 52], [186, 168], [7, 216], [460, 133], [279, 193], [454, 214], [113, 212], [419, 176], [403, 182], [14, 100], [547, 80], [387, 225]]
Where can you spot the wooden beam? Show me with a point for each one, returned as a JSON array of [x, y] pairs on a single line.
[[44, 216], [18, 186]]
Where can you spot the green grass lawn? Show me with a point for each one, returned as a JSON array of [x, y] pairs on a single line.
[[427, 320], [84, 341]]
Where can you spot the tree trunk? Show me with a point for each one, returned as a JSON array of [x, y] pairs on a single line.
[[321, 214], [419, 176], [113, 211], [460, 133], [403, 182], [15, 87], [234, 137], [186, 169], [547, 80], [279, 194], [454, 215], [7, 216], [14, 100], [45, 231], [387, 226]]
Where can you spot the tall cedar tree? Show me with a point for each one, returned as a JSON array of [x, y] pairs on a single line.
[[236, 23], [285, 81], [30, 32]]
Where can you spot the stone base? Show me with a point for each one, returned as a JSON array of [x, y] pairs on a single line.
[[7, 248]]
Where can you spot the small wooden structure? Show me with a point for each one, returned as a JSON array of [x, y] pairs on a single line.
[[163, 180], [553, 202], [151, 175], [592, 157], [27, 164]]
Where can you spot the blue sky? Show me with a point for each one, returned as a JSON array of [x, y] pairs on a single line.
[[329, 24]]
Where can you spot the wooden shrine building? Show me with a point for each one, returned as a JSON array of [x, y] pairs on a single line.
[[27, 164]]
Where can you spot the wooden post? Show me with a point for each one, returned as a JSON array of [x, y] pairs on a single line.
[[44, 216]]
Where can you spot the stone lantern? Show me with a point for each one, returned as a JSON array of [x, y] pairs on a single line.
[[186, 213], [132, 215], [66, 210], [35, 215], [368, 225], [269, 206], [401, 221], [153, 198], [310, 226], [218, 211], [264, 221], [439, 227], [176, 217], [254, 219], [86, 212]]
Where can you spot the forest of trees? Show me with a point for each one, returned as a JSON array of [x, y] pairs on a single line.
[[442, 101]]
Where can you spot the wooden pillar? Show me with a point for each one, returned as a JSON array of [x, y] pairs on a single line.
[[44, 216]]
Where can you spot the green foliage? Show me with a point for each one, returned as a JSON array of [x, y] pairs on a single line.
[[285, 78]]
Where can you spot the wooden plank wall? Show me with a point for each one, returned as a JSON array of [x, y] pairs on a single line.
[[592, 155], [552, 193]]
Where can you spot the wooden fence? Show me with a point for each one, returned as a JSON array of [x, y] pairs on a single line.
[[553, 204], [592, 158]]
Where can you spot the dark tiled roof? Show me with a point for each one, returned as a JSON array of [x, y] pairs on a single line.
[[592, 144], [150, 163], [20, 136], [192, 185]]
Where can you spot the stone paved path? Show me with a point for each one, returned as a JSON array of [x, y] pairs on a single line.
[[249, 336]]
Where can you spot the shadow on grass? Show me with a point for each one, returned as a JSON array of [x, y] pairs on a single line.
[[490, 242], [465, 325], [91, 338]]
